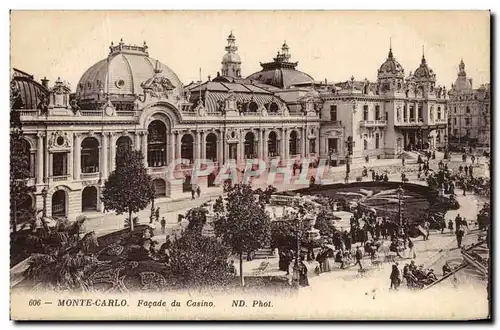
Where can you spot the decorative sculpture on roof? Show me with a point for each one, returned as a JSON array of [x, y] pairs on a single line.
[[15, 96], [158, 86], [43, 104]]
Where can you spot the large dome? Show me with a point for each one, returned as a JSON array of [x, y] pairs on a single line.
[[391, 66], [126, 68]]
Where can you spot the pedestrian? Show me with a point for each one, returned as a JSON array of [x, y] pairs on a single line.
[[192, 193], [427, 227], [470, 171], [472, 158], [403, 160], [359, 257], [157, 214], [411, 246], [303, 279], [465, 186], [459, 234], [198, 191], [163, 225], [232, 268], [450, 225], [395, 277]]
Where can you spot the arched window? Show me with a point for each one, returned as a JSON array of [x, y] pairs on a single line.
[[90, 155], [439, 113], [252, 107], [273, 107], [272, 145], [157, 144], [249, 145], [365, 112], [211, 147], [59, 203], [89, 199], [187, 147], [123, 143], [293, 143]]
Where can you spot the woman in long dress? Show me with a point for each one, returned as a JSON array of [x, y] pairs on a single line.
[[303, 279]]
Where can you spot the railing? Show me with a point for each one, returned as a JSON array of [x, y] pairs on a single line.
[[89, 175], [92, 113], [60, 178], [125, 113], [373, 123], [29, 112]]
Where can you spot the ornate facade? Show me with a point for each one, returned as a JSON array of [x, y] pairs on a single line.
[[130, 100], [384, 118], [469, 121]]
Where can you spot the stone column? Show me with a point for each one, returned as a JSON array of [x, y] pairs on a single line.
[[77, 167], [260, 151], [144, 148], [197, 145], [317, 142], [203, 145], [39, 158], [307, 151], [137, 143], [179, 143], [47, 161], [264, 144], [112, 151], [171, 142], [303, 142], [220, 148], [104, 156]]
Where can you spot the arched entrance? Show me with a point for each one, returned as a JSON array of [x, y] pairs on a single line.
[[211, 147], [89, 199], [59, 204], [187, 147], [160, 187], [293, 143], [90, 155], [157, 144], [272, 145], [249, 145]]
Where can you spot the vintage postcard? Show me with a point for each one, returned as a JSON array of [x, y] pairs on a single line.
[[250, 165]]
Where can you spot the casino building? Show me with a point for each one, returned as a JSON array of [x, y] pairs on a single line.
[[130, 100]]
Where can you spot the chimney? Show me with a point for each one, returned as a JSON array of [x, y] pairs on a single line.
[[218, 74], [45, 82], [208, 78], [470, 81]]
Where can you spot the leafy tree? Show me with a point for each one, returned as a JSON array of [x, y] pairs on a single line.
[[19, 165], [198, 261], [245, 225], [129, 188], [265, 195], [219, 205], [324, 222]]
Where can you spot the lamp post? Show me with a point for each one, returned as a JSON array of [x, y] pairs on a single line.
[[296, 266], [400, 193], [44, 196]]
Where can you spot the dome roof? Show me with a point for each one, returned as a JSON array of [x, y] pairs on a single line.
[[231, 58], [281, 77], [126, 68], [391, 66], [27, 92], [423, 71]]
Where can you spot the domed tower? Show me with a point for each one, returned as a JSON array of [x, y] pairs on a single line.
[[462, 83], [424, 77], [231, 61], [390, 75]]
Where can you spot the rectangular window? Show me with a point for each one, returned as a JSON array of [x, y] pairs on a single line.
[[467, 132], [455, 132], [405, 114], [377, 141], [412, 113], [439, 113], [365, 112], [467, 121], [233, 149], [377, 112], [467, 109], [455, 110], [333, 112], [387, 116], [59, 164], [455, 121]]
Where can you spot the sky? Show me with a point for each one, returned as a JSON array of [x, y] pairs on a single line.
[[332, 45]]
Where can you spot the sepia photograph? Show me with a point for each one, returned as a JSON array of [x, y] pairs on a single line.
[[250, 165]]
